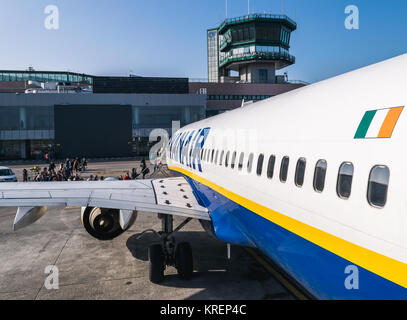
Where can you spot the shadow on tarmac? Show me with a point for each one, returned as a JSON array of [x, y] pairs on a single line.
[[211, 265]]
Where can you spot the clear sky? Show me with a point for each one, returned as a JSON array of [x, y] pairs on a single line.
[[168, 38]]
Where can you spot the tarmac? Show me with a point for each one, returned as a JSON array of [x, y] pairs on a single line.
[[89, 269]]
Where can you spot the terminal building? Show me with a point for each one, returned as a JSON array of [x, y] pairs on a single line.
[[89, 125], [70, 114]]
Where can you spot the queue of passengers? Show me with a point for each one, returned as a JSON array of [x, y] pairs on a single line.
[[71, 169], [68, 171]]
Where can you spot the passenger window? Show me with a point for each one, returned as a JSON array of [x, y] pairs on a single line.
[[270, 167], [241, 158], [227, 159], [221, 157], [319, 175], [378, 185], [216, 156], [202, 151], [260, 164], [250, 163], [232, 164], [204, 155], [213, 154], [345, 176], [300, 172], [284, 169]]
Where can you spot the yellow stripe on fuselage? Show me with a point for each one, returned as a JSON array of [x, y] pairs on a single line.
[[379, 264]]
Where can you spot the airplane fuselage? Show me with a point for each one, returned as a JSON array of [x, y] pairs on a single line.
[[314, 178]]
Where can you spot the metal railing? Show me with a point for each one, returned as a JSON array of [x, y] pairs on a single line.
[[205, 80], [257, 16], [258, 55]]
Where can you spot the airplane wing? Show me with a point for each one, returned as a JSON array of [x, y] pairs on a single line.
[[172, 196]]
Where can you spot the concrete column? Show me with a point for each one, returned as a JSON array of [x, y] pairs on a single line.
[[23, 119], [187, 115], [136, 116]]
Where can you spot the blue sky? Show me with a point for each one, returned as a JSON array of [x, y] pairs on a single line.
[[168, 38]]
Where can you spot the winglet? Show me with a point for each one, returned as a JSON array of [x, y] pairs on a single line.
[[28, 215]]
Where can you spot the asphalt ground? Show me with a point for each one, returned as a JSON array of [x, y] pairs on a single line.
[[89, 269]]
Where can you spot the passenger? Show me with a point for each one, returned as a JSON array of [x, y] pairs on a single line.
[[90, 178], [76, 165], [84, 164], [51, 166], [127, 176], [145, 171], [25, 175], [134, 174]]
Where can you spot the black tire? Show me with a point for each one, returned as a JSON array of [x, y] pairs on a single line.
[[157, 263], [184, 261]]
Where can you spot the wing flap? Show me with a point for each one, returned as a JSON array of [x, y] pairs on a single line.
[[166, 196]]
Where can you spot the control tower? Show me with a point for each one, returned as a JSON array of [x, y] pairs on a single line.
[[253, 46]]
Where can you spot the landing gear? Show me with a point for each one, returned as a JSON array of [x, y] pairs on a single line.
[[183, 260], [157, 263], [169, 253]]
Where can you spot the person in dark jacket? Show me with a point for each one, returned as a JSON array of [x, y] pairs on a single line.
[[134, 174]]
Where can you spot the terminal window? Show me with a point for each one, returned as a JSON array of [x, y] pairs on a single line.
[[263, 75]]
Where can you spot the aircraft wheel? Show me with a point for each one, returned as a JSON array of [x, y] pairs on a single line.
[[157, 263], [183, 260]]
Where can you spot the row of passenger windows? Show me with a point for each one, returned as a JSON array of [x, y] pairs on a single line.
[[377, 185]]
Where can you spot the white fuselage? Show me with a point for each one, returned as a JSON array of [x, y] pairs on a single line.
[[319, 122]]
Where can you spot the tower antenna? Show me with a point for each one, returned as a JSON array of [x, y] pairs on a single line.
[[226, 9]]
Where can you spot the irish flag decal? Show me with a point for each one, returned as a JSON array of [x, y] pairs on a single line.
[[378, 123]]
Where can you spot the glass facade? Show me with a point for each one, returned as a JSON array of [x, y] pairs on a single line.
[[149, 118], [42, 76], [28, 132], [213, 56], [26, 118], [10, 149], [254, 51]]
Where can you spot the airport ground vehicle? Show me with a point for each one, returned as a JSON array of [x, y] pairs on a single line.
[[6, 175]]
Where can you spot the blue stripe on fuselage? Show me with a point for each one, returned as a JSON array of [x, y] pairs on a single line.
[[320, 271]]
